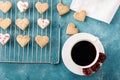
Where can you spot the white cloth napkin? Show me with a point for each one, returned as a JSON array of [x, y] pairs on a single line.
[[102, 10]]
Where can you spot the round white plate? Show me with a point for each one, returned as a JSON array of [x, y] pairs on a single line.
[[66, 51]]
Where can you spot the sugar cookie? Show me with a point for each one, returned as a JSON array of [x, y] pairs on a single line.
[[62, 9], [80, 16], [4, 38], [22, 6], [23, 40], [22, 23], [41, 7], [71, 29], [43, 23], [5, 23], [42, 40], [5, 6]]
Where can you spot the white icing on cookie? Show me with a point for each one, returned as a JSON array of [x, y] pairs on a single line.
[[43, 23], [22, 6], [4, 38]]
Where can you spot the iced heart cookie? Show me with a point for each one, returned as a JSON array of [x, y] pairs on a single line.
[[41, 7], [62, 9], [80, 16], [71, 29], [4, 38], [22, 6], [43, 23], [5, 23], [5, 6], [42, 40], [22, 23], [23, 40]]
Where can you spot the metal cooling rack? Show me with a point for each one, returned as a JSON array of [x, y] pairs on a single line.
[[32, 53]]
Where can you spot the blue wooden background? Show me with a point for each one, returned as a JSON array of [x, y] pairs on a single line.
[[109, 35]]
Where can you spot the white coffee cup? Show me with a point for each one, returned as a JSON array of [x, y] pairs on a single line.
[[68, 46], [93, 42]]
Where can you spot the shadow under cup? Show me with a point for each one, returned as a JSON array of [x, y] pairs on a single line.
[[84, 53]]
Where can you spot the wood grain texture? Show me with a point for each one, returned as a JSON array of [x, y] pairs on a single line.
[[109, 36]]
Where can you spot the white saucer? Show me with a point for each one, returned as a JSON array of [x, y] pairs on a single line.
[[66, 51]]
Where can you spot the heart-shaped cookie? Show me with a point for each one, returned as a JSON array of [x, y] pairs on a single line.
[[5, 6], [62, 9], [5, 23], [22, 6], [42, 40], [23, 40], [41, 7], [80, 16], [71, 29], [43, 23], [22, 23], [4, 38]]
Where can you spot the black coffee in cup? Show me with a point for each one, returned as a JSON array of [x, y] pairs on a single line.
[[83, 53]]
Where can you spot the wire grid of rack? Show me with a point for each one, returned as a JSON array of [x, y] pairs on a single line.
[[32, 53]]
